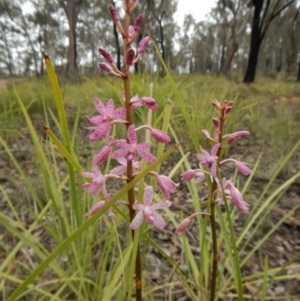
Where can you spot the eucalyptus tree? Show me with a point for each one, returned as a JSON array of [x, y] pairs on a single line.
[[95, 29], [159, 22], [264, 12], [71, 9], [17, 32]]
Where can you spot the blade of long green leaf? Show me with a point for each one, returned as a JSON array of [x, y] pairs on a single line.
[[119, 195]]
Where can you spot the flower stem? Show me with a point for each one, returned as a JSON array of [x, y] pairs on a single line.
[[215, 255], [131, 198]]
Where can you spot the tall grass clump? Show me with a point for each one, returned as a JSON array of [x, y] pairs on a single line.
[[101, 203]]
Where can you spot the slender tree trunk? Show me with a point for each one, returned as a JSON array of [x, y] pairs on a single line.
[[72, 52], [118, 48], [162, 42], [255, 43], [222, 60], [298, 76], [233, 49]]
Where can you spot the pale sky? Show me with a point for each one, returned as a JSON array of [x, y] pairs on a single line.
[[198, 8]]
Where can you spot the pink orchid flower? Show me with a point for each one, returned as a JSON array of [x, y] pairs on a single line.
[[121, 169], [235, 195], [148, 211], [130, 149], [98, 181], [210, 159]]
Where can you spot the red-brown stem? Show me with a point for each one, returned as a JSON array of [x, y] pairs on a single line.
[[215, 255], [138, 264]]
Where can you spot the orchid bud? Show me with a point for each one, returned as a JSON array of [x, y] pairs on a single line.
[[216, 104], [240, 134], [107, 55], [227, 110], [216, 122], [131, 32], [206, 133], [130, 57], [138, 22], [187, 175], [243, 168], [182, 227], [143, 44], [114, 13], [160, 136], [105, 67]]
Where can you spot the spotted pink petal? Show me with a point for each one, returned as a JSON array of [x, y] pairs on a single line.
[[102, 155], [131, 135], [237, 200], [94, 187], [213, 169], [137, 206], [100, 107], [96, 119], [142, 149], [215, 149], [161, 205], [158, 221], [88, 174], [110, 108], [137, 221], [119, 170], [200, 177], [121, 152], [148, 196], [105, 193], [95, 208], [120, 113]]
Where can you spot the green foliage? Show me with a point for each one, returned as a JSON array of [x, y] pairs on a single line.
[[88, 260]]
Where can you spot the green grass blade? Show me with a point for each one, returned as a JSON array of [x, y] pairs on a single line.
[[179, 99], [62, 149], [119, 195]]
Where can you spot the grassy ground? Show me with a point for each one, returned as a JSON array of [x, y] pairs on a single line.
[[269, 108], [43, 219]]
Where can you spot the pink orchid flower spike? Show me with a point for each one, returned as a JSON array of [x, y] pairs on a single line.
[[210, 159], [148, 211]]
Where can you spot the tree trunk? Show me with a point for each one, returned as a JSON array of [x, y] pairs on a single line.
[[162, 42], [72, 53], [233, 49], [255, 43], [298, 76], [118, 48]]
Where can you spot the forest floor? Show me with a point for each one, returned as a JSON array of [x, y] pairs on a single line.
[[283, 244]]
